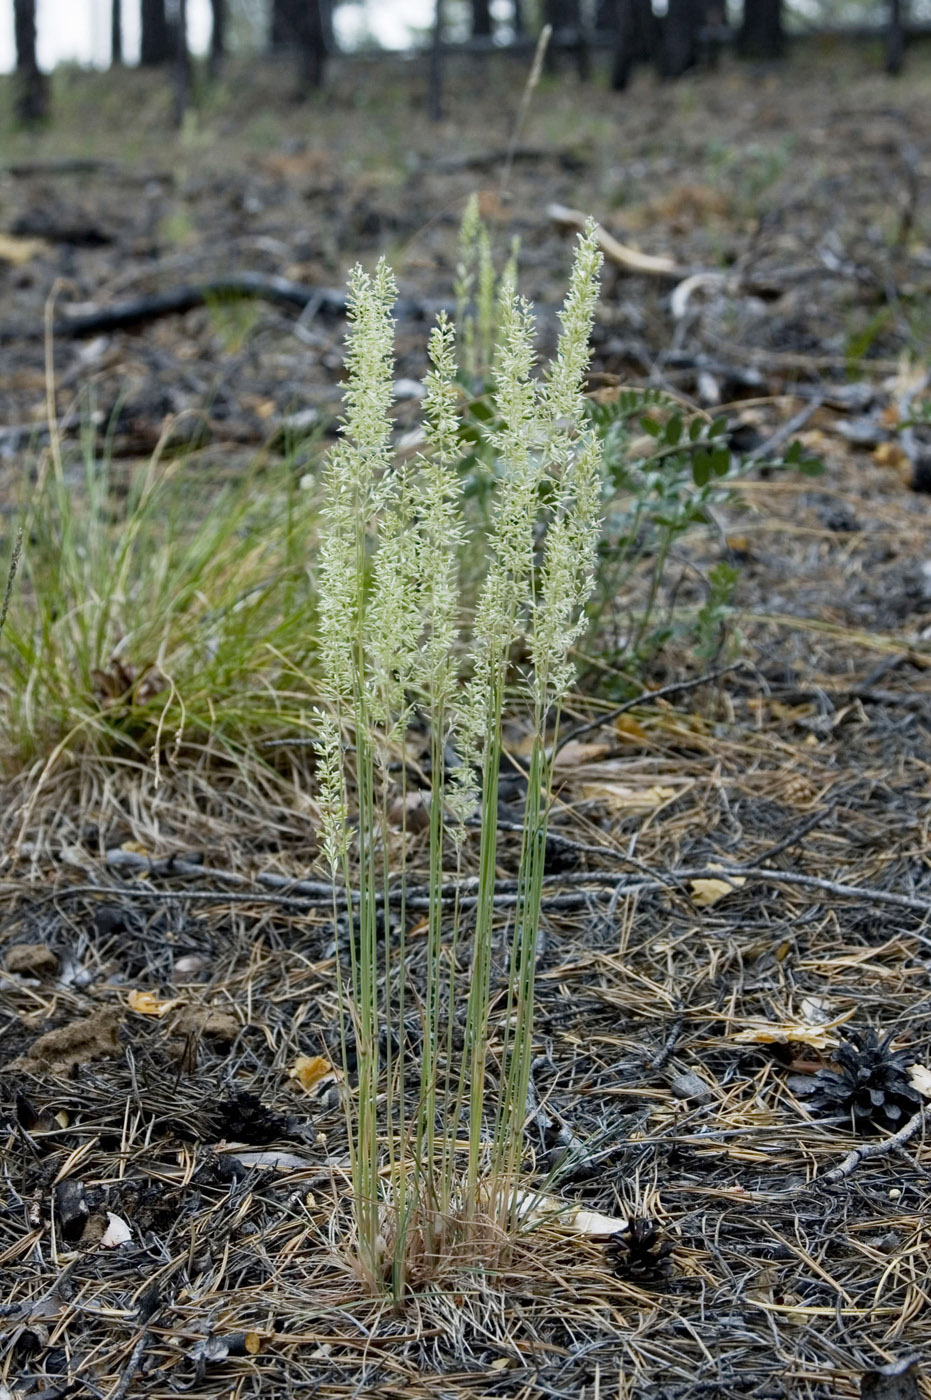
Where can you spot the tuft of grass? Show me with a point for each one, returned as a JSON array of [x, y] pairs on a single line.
[[150, 617]]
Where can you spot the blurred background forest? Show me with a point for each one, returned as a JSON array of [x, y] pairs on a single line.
[[672, 35]]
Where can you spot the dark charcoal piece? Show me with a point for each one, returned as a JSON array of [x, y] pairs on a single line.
[[870, 1086], [639, 1254], [244, 1118], [72, 1209]]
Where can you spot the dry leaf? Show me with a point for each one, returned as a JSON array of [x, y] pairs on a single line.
[[815, 1011], [791, 714], [19, 251], [574, 755], [631, 799], [818, 1037], [116, 1233], [148, 1004], [274, 1161], [919, 1076], [890, 454], [626, 727], [311, 1071], [708, 892], [590, 1222], [539, 1210]]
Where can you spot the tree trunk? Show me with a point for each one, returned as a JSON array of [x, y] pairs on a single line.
[[302, 25], [679, 52], [278, 24], [155, 45], [116, 33], [31, 86], [308, 17], [217, 37], [895, 39], [565, 18], [761, 34], [481, 19], [435, 84], [182, 68], [518, 18], [636, 38]]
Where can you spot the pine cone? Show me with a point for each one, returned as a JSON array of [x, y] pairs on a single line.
[[638, 1254], [870, 1086]]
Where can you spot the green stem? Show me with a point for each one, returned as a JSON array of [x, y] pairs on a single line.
[[476, 1046]]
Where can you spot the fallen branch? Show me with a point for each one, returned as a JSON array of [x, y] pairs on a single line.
[[871, 1151], [619, 253], [570, 890], [279, 290]]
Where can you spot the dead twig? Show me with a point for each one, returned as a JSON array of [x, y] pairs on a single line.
[[872, 1151], [630, 259], [646, 697]]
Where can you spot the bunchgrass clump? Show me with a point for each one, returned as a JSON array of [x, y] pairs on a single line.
[[391, 650], [152, 614]]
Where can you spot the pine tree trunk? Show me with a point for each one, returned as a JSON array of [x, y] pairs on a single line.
[[182, 66], [116, 33], [308, 18], [895, 39], [435, 87], [679, 50], [761, 34], [217, 37], [302, 25], [31, 85], [156, 46], [481, 19]]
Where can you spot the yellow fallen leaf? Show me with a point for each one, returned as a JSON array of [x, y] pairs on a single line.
[[19, 251], [310, 1071], [708, 892], [818, 1037], [790, 714], [890, 454], [148, 1004], [626, 727]]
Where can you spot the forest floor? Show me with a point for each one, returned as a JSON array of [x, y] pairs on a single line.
[[152, 1009]]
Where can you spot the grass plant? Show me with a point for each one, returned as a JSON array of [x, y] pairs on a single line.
[[153, 612], [391, 650]]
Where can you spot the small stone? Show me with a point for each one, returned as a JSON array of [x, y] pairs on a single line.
[[689, 1085]]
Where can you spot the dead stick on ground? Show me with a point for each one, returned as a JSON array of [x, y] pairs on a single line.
[[506, 892], [631, 259], [646, 697], [873, 1150]]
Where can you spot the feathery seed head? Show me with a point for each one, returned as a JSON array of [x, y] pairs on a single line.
[[331, 790]]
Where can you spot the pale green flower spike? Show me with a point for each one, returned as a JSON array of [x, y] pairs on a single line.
[[355, 471], [331, 791]]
